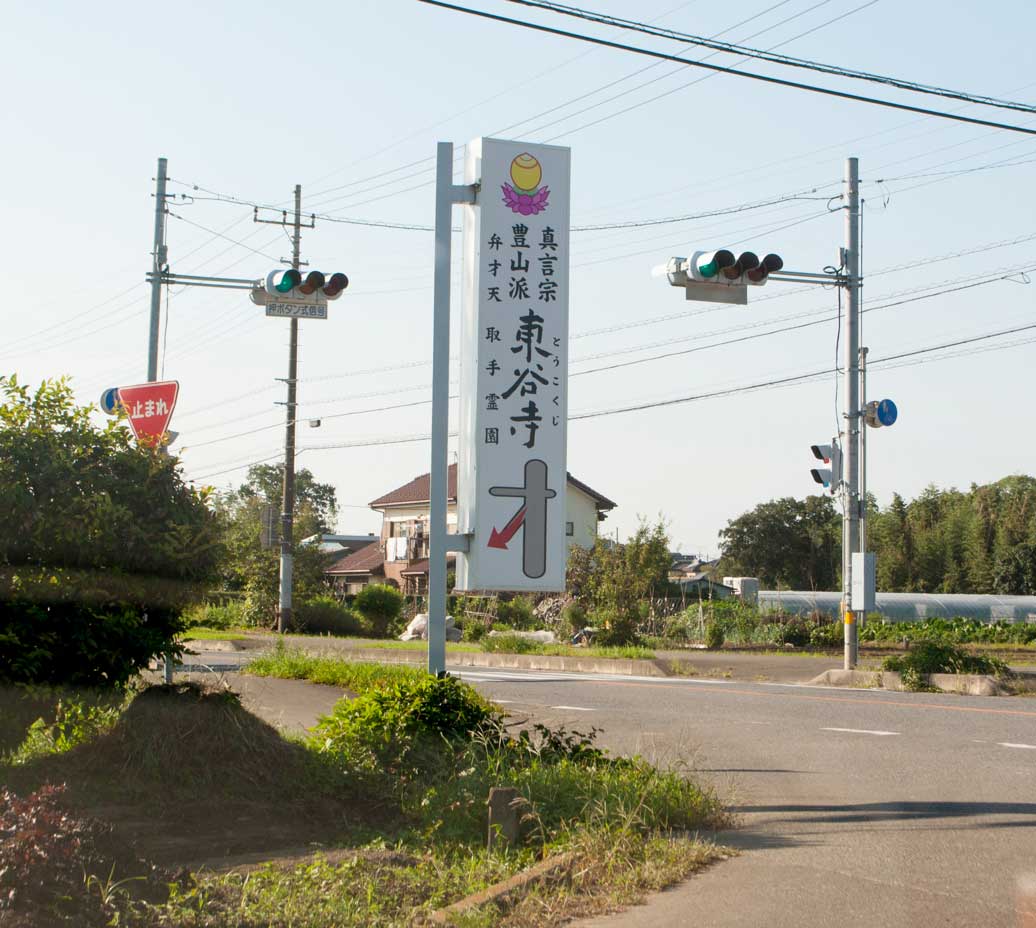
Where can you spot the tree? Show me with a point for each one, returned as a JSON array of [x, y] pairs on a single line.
[[253, 569], [101, 543], [785, 543], [618, 580]]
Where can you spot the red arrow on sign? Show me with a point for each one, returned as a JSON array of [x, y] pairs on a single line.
[[149, 407], [500, 539]]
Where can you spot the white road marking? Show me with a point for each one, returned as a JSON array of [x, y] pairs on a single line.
[[1008, 744], [573, 708], [861, 731], [504, 702]]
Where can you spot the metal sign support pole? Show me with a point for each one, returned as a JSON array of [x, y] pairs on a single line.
[[851, 414], [446, 194]]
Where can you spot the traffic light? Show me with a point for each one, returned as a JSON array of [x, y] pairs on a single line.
[[291, 283], [720, 276], [829, 477]]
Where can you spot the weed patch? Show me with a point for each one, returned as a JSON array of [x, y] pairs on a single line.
[[928, 657], [355, 676]]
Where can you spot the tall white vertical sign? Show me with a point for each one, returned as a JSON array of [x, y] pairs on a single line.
[[514, 368]]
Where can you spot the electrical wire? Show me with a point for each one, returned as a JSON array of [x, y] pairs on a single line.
[[731, 341], [764, 78], [766, 55], [679, 400]]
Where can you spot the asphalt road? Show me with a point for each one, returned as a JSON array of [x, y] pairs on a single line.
[[855, 807]]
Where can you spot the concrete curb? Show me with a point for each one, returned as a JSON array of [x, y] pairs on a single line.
[[625, 667], [551, 870], [965, 684]]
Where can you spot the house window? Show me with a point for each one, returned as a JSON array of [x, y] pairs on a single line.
[[570, 529]]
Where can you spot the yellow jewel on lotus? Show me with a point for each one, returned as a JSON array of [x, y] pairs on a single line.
[[526, 196], [526, 173]]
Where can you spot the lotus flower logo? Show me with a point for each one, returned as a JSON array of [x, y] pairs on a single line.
[[526, 196]]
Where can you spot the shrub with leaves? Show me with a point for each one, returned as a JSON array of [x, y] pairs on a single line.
[[517, 613], [927, 657], [60, 868], [380, 604], [574, 616], [103, 542], [389, 729], [325, 615], [714, 636]]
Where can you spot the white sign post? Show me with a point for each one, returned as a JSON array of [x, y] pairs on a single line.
[[511, 474]]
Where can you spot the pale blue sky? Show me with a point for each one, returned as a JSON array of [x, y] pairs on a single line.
[[248, 101]]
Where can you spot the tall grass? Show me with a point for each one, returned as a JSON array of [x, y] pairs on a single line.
[[356, 676]]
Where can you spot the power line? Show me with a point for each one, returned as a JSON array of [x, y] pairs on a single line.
[[764, 78], [674, 401], [685, 351], [768, 56]]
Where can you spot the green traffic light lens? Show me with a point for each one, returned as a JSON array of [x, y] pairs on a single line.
[[289, 281]]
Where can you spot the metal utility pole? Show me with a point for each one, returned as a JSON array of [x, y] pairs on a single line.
[[440, 542], [288, 498], [159, 259], [851, 409]]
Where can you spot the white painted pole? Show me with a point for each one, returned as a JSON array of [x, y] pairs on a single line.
[[440, 410]]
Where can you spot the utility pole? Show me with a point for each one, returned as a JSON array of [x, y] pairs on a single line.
[[159, 258], [863, 452], [851, 409], [288, 498]]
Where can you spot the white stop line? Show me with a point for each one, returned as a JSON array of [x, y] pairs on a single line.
[[861, 731]]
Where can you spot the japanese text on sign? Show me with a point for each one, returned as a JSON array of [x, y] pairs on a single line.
[[514, 367]]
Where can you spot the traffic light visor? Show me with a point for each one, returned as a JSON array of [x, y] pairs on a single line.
[[335, 285], [289, 279], [712, 262], [314, 281]]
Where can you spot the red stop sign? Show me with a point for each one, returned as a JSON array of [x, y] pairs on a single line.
[[149, 407]]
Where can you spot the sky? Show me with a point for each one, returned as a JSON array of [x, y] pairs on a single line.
[[349, 100]]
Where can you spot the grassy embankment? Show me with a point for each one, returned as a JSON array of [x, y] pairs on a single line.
[[391, 789]]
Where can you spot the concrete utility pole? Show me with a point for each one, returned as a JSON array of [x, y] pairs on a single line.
[[288, 498], [159, 257], [863, 452], [851, 409]]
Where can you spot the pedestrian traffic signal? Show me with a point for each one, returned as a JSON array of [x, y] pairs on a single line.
[[829, 477], [291, 283]]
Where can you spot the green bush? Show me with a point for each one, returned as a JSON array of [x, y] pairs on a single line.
[[573, 616], [616, 626], [827, 635], [211, 615], [714, 636], [794, 632], [81, 645], [391, 730], [324, 615], [380, 604], [517, 613], [926, 657]]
